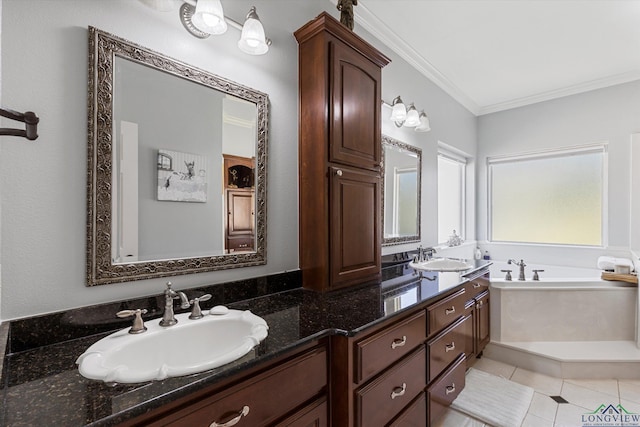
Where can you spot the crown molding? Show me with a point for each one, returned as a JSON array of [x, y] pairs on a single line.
[[562, 92], [388, 37], [368, 21]]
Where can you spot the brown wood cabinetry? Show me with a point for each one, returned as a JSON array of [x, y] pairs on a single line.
[[447, 349], [445, 389], [477, 315], [377, 375], [407, 370], [239, 203], [339, 156], [413, 415], [289, 392]]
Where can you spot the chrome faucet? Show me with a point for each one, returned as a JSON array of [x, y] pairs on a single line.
[[169, 318], [520, 264], [424, 254]]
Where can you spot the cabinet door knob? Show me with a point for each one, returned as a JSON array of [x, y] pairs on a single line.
[[449, 347], [399, 391], [399, 342], [450, 310], [244, 411], [450, 388], [339, 172]]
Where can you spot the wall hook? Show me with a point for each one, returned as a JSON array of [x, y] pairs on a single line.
[[29, 119]]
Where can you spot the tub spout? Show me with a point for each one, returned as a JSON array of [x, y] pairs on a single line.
[[520, 264]]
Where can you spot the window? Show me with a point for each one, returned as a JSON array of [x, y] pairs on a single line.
[[451, 194], [550, 198]]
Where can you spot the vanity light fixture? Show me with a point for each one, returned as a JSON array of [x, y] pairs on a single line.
[[208, 17], [408, 117], [253, 40], [424, 125], [203, 18]]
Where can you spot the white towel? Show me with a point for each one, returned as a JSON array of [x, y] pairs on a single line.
[[609, 262]]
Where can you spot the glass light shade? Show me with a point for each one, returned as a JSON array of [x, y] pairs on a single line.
[[253, 40], [424, 125], [413, 118], [398, 111], [209, 17]]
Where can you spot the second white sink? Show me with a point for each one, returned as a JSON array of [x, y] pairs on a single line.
[[189, 347], [441, 264]]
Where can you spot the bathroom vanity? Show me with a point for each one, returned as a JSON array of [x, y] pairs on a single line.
[[380, 354]]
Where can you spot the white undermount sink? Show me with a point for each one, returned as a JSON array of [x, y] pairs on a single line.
[[189, 347], [441, 264]]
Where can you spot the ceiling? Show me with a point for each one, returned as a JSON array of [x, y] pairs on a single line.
[[492, 55]]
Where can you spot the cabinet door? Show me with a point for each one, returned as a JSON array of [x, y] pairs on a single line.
[[240, 217], [355, 109], [354, 226], [482, 314], [470, 332]]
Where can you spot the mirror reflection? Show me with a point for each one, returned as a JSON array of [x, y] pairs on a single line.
[[170, 197], [401, 192], [179, 156]]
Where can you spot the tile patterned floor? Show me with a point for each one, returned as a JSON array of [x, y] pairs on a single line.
[[583, 397]]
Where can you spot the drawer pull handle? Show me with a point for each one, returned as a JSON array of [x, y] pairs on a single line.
[[476, 285], [450, 389], [450, 310], [233, 421], [399, 391], [449, 347], [399, 342]]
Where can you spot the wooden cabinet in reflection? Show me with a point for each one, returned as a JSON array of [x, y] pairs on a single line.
[[239, 203]]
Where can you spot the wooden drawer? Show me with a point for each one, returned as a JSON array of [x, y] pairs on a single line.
[[445, 311], [445, 347], [476, 286], [444, 391], [382, 399], [268, 396], [312, 415], [381, 349], [415, 415]]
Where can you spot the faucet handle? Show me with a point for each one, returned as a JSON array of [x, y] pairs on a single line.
[[535, 274], [138, 324], [508, 275], [196, 312]]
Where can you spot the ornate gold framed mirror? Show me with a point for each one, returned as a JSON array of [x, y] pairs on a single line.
[[162, 200]]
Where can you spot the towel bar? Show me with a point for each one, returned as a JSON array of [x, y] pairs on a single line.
[[29, 119]]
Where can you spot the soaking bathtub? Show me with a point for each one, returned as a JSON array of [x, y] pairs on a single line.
[[569, 315]]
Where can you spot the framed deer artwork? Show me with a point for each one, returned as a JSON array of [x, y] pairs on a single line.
[[182, 177]]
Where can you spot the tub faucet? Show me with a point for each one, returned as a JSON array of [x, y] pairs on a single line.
[[169, 318], [520, 264]]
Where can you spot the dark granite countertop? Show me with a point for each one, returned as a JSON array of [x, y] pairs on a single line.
[[40, 380]]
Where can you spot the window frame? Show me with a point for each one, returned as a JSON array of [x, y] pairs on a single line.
[[450, 155], [599, 147]]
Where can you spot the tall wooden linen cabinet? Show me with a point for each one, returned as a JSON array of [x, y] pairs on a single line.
[[339, 156]]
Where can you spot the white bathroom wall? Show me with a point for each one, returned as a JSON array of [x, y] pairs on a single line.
[[450, 123], [605, 115], [44, 69], [634, 164], [43, 199]]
